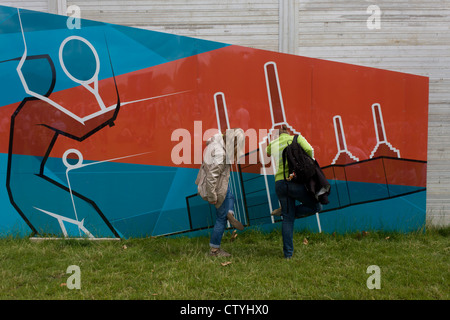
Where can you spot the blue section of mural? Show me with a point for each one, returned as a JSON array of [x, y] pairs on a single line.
[[11, 223], [157, 205], [138, 48], [409, 216], [346, 193]]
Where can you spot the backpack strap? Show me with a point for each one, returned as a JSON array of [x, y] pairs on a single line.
[[284, 155], [283, 158]]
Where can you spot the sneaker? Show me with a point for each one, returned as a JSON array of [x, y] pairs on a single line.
[[218, 252], [235, 223], [276, 212]]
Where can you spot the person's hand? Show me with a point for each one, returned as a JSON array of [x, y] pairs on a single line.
[[291, 176], [213, 202]]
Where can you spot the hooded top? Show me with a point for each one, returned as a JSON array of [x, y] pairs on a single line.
[[214, 173]]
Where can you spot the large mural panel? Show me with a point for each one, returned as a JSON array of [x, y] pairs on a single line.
[[103, 127]]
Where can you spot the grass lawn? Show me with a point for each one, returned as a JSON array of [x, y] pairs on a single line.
[[412, 266]]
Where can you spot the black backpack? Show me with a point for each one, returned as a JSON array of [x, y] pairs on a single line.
[[298, 161]]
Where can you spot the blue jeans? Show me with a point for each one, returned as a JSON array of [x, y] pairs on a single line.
[[288, 192], [221, 219]]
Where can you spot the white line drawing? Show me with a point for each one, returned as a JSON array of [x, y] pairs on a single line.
[[85, 83], [93, 79], [220, 104], [155, 97], [278, 117], [341, 142], [381, 133], [223, 121], [78, 164], [103, 109], [61, 220], [274, 94], [318, 222]]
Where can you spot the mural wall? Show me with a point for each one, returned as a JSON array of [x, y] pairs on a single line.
[[102, 131]]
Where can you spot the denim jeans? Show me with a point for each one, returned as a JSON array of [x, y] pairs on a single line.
[[221, 219], [288, 192]]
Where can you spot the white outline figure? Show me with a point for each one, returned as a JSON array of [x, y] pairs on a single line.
[[239, 215], [93, 79], [381, 136], [270, 95], [103, 109], [50, 101], [224, 110], [268, 138], [84, 83], [340, 138], [61, 220], [70, 167]]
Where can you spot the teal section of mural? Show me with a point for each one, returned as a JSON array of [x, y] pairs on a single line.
[[157, 205], [44, 34]]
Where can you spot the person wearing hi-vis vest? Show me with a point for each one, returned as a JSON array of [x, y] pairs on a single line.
[[288, 191]]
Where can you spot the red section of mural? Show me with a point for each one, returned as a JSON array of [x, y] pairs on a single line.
[[36, 123], [158, 100]]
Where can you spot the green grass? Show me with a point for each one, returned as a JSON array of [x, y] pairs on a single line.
[[413, 266]]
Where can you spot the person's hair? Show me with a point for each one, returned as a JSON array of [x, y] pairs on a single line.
[[284, 129]]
